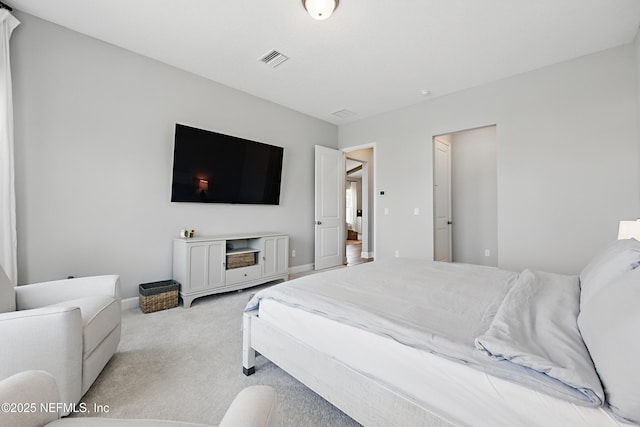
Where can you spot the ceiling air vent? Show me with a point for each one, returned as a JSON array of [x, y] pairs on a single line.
[[343, 114], [274, 58]]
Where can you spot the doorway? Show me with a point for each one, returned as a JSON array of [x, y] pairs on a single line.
[[353, 210], [442, 221], [331, 227], [465, 197], [359, 209]]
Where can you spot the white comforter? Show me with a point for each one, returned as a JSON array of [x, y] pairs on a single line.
[[448, 309]]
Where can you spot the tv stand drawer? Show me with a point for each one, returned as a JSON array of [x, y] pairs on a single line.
[[243, 274]]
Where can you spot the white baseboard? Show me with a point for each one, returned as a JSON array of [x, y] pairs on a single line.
[[133, 302], [367, 255], [300, 268]]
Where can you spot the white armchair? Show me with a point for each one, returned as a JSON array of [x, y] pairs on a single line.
[[30, 397], [69, 328]]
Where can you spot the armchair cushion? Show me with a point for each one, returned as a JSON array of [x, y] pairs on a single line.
[[254, 406], [46, 293], [101, 319], [32, 388], [48, 339], [7, 294], [75, 342], [100, 316], [113, 422]]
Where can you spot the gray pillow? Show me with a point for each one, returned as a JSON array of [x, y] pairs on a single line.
[[609, 323], [7, 294], [619, 257]]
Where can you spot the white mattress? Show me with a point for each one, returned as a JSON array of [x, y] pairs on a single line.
[[458, 394]]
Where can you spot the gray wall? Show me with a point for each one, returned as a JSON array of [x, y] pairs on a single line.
[[637, 52], [567, 160], [94, 143], [474, 196]]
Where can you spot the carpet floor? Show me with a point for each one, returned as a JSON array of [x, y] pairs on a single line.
[[185, 364]]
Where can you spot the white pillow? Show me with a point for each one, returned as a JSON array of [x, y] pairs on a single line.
[[619, 257], [609, 323]]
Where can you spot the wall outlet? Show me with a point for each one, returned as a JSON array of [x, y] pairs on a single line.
[[386, 211], [293, 253], [397, 253], [416, 211], [487, 252]]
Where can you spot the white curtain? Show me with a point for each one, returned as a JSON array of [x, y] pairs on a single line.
[[8, 238], [351, 203]]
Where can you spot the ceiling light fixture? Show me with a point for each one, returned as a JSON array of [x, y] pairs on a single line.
[[320, 9]]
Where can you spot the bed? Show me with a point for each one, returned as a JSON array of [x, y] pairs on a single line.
[[413, 342]]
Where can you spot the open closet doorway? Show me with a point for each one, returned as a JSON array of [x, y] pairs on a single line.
[[358, 206], [465, 197]]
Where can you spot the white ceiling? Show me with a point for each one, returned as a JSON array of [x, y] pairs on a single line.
[[371, 56]]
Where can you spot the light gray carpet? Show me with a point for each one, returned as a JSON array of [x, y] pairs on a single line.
[[185, 364]]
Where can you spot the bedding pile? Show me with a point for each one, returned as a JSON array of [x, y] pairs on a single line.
[[536, 328], [517, 326]]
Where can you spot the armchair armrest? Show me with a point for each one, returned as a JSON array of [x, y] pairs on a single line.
[[254, 406], [48, 339], [29, 395], [46, 293]]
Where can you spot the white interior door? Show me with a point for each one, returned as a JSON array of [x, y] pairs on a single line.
[[442, 199], [329, 208]]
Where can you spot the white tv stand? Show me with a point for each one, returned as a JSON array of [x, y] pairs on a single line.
[[207, 265]]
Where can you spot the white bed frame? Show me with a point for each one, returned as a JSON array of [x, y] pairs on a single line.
[[368, 402]]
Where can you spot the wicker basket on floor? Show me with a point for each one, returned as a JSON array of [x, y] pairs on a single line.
[[158, 296]]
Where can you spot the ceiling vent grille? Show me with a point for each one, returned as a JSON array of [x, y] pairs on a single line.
[[274, 58], [343, 114]]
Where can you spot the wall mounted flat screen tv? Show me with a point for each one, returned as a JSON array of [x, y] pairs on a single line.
[[212, 167]]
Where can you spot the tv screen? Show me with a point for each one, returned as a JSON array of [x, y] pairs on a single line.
[[212, 167]]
